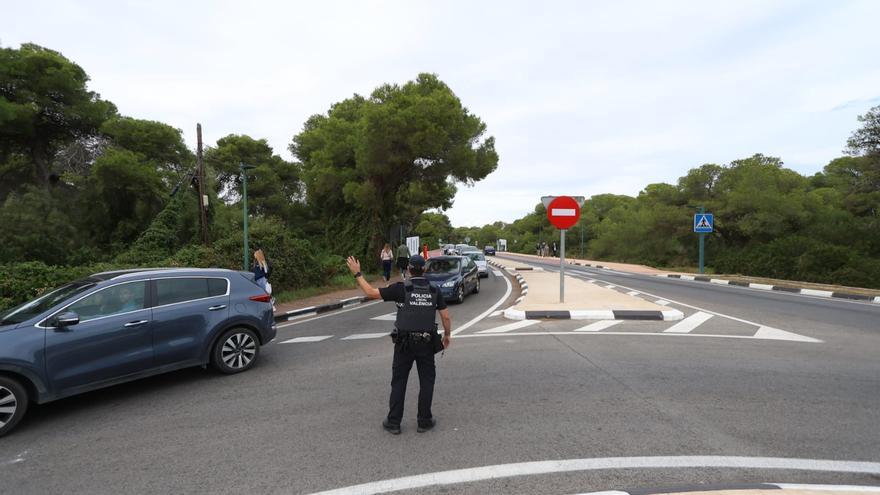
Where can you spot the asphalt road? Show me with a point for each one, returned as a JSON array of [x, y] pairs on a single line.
[[307, 418]]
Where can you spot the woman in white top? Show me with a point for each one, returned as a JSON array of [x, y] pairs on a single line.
[[387, 257]]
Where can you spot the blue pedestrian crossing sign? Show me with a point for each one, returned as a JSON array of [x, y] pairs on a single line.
[[703, 223]]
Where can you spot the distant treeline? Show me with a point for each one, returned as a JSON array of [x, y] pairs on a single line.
[[770, 221], [84, 188]]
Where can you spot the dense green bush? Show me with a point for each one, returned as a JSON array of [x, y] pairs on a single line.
[[23, 281]]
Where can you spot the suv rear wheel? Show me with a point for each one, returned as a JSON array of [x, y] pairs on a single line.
[[13, 404], [235, 351]]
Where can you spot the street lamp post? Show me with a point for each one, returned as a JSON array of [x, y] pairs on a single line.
[[244, 168]]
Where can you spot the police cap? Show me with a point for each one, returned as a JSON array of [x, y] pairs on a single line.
[[416, 261]]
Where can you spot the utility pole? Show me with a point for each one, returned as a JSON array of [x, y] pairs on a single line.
[[203, 198]]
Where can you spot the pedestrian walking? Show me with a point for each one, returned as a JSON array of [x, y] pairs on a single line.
[[415, 338], [387, 257], [403, 255]]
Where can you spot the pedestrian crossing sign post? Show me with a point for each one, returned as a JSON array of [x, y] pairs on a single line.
[[703, 223]]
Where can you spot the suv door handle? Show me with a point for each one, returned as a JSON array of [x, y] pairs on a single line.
[[215, 308], [136, 323]]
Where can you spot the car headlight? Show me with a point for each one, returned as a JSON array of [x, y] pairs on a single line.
[[449, 283]]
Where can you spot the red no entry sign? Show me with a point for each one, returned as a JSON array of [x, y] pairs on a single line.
[[563, 212]]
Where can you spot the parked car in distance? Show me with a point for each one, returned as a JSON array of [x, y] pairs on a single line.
[[461, 248], [119, 326], [489, 250], [480, 259], [455, 276]]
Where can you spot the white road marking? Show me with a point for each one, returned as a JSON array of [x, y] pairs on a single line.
[[599, 325], [633, 293], [496, 313], [470, 475], [734, 318], [661, 302], [497, 273], [388, 317], [764, 336], [488, 311], [298, 340], [777, 334], [610, 286], [360, 336], [333, 313], [690, 323], [510, 326], [832, 488]]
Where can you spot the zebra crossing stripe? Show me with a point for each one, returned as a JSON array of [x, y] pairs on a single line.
[[599, 325], [299, 340], [690, 323], [510, 326], [361, 336]]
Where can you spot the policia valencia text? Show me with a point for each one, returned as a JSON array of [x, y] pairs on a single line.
[[415, 338]]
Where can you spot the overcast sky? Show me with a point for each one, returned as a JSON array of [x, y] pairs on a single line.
[[582, 97]]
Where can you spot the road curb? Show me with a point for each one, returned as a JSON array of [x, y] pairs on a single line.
[[594, 314], [585, 314], [778, 288], [323, 308]]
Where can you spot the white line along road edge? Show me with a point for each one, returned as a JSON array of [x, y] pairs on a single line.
[[488, 311], [470, 475]]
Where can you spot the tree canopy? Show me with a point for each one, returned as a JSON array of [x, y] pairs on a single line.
[[381, 161]]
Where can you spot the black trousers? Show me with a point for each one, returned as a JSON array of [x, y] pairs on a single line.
[[404, 356]]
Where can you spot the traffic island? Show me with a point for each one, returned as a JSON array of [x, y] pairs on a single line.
[[583, 300]]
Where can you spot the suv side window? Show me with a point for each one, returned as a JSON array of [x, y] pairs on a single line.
[[116, 299], [217, 286], [175, 290]]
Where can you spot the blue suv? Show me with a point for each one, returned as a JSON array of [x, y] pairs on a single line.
[[114, 327]]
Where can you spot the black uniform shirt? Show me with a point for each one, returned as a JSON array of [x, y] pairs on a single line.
[[397, 293]]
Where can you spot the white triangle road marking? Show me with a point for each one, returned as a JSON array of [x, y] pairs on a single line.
[[299, 340], [361, 336], [688, 324], [388, 317], [496, 313], [599, 325], [661, 302], [770, 333], [510, 326]]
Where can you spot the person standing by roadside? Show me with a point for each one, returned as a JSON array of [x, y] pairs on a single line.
[[415, 338], [425, 251], [262, 270], [387, 257], [403, 255]]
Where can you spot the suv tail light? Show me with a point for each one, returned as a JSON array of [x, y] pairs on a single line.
[[262, 298]]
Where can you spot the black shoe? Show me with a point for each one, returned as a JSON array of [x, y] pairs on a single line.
[[426, 425], [390, 428]]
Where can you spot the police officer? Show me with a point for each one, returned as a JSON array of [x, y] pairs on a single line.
[[415, 331]]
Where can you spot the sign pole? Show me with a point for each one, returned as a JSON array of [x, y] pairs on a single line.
[[562, 265], [702, 245]]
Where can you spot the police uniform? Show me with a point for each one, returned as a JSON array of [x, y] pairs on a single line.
[[415, 327]]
